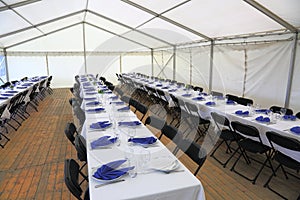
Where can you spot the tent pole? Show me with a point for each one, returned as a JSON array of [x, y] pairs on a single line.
[[47, 64], [291, 72], [84, 47], [152, 62], [191, 66], [6, 64], [174, 63], [211, 65], [120, 58]]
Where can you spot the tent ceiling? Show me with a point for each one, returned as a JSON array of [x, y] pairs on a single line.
[[151, 23]]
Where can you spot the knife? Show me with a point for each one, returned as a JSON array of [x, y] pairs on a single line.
[[108, 183]]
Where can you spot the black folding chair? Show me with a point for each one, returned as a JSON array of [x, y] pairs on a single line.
[[70, 132], [244, 101], [252, 146], [71, 177], [155, 122], [225, 134], [194, 151], [277, 109], [80, 146], [276, 140]]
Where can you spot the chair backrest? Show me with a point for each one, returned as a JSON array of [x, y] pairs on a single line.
[[232, 97], [298, 115], [2, 109], [194, 151], [197, 88], [155, 122], [217, 94], [80, 145], [276, 109], [70, 131], [283, 141], [171, 132], [220, 120], [133, 102], [245, 129], [71, 175], [244, 101]]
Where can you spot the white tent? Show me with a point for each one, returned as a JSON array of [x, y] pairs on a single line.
[[243, 47]]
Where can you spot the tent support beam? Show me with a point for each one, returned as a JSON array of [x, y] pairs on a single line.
[[16, 5], [165, 65], [57, 30], [41, 24], [191, 67], [84, 47], [166, 19], [271, 15], [291, 72], [128, 27], [211, 63], [120, 58], [6, 64], [117, 35]]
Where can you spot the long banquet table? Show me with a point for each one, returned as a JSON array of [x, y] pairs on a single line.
[[148, 184], [19, 87], [279, 125]]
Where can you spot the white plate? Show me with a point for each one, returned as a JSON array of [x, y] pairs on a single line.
[[164, 164]]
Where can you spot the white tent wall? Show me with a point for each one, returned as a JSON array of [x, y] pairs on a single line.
[[201, 67], [136, 63], [64, 69], [227, 60], [163, 64], [21, 66], [267, 73], [295, 90]]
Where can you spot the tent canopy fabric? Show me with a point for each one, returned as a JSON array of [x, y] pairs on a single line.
[[24, 20]]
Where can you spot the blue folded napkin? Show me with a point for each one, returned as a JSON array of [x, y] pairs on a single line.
[[89, 90], [126, 108], [290, 117], [104, 89], [186, 95], [158, 85], [2, 98], [172, 90], [203, 93], [27, 84], [89, 98], [109, 171], [262, 119], [90, 93], [166, 87], [129, 123], [93, 103], [210, 103], [230, 102], [198, 98], [117, 102], [145, 140], [295, 129], [21, 87], [219, 97], [103, 141], [12, 91], [240, 112], [114, 97], [262, 110], [100, 125], [108, 92], [7, 95], [86, 84], [95, 110]]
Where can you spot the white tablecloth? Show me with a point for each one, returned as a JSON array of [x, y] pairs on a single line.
[[147, 184]]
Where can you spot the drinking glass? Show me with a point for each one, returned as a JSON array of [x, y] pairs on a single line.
[[131, 159], [131, 133], [144, 159]]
